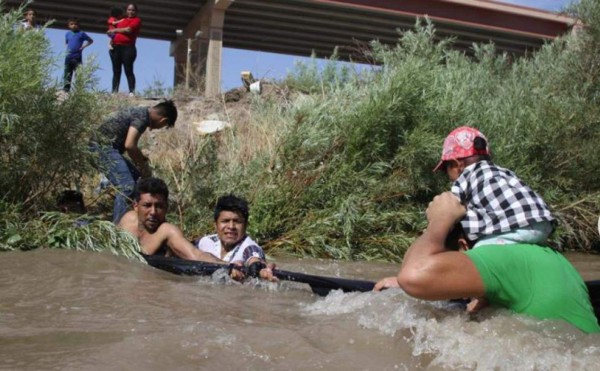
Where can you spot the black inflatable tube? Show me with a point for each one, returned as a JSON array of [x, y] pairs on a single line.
[[320, 285]]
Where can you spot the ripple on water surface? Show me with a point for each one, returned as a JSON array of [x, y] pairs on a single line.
[[493, 339]]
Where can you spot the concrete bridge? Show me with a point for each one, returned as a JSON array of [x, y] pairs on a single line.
[[301, 27]]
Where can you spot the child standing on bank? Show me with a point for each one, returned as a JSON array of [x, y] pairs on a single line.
[[76, 40], [116, 16], [501, 208]]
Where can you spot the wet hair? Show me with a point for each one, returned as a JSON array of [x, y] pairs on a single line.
[[116, 12], [70, 201], [454, 235], [234, 204], [480, 144], [153, 186], [167, 109]]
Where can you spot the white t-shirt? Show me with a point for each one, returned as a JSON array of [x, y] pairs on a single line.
[[242, 252]]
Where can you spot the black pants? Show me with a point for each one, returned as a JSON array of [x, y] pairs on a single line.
[[123, 56], [71, 64]]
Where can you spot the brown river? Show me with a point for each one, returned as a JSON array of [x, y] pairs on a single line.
[[65, 310]]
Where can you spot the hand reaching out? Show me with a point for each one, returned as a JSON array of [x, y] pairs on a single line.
[[386, 283]]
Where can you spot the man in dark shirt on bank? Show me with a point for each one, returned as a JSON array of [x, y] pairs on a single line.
[[120, 134]]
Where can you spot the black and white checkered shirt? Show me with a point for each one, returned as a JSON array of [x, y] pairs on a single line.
[[497, 201]]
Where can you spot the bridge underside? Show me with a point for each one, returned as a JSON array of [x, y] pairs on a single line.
[[301, 27]]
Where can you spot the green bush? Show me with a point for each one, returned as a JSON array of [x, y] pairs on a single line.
[[43, 137], [350, 173], [55, 230]]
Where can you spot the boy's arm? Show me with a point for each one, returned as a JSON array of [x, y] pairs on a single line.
[[88, 41], [135, 153], [254, 254], [131, 146]]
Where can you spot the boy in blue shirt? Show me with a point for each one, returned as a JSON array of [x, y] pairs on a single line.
[[76, 40]]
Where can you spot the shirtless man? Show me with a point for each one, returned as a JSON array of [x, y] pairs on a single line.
[[147, 222]]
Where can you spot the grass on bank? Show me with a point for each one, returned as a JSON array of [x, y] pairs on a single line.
[[347, 172]]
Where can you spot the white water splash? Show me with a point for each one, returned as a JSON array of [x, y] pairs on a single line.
[[449, 338]]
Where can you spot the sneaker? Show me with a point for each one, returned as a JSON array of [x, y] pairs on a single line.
[[62, 95], [104, 183], [131, 95]]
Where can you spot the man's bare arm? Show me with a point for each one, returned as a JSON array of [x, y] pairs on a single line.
[[442, 214], [166, 233], [431, 272], [182, 247]]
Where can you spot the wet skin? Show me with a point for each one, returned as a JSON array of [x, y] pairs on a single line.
[[151, 210], [231, 228]]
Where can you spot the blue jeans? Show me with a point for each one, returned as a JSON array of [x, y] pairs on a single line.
[[121, 173]]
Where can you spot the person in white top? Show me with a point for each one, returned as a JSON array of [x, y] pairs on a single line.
[[231, 243]]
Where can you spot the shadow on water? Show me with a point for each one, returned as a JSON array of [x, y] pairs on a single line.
[[69, 310]]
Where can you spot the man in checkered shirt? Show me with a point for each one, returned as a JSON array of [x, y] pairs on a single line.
[[501, 208]]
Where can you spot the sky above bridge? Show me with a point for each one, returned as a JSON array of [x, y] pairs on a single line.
[[154, 64]]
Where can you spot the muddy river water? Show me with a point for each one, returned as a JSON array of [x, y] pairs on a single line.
[[65, 310]]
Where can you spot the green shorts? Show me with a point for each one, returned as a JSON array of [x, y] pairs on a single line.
[[534, 280]]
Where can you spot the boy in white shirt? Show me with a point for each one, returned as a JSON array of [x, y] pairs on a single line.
[[231, 243]]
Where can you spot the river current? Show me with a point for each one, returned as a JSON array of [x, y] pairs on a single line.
[[66, 310]]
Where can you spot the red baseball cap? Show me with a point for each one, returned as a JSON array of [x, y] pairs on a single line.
[[459, 144]]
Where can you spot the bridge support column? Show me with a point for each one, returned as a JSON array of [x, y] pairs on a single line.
[[215, 52], [206, 49]]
